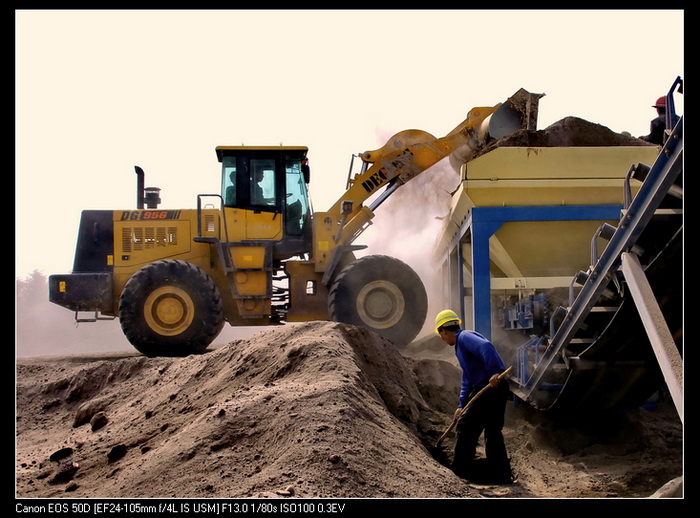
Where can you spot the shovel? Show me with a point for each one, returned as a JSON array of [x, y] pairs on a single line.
[[471, 401]]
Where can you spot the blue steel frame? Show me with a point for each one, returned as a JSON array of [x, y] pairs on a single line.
[[483, 222]]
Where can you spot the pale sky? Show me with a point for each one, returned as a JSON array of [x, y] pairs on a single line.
[[98, 92]]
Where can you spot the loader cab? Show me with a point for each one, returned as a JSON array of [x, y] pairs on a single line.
[[270, 182]]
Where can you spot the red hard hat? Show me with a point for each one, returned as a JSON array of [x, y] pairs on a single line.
[[660, 103]]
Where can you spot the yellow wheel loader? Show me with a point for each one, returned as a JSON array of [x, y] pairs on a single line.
[[255, 254]]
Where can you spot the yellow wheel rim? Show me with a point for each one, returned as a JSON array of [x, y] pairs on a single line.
[[169, 311], [380, 304]]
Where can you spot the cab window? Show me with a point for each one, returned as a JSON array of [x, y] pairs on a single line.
[[229, 185], [297, 198], [262, 185]]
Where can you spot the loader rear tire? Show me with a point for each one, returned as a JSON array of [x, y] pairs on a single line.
[[382, 294], [170, 308]]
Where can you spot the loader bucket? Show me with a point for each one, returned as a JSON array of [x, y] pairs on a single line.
[[519, 112]]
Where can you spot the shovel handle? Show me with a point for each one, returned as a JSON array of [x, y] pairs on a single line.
[[471, 401]]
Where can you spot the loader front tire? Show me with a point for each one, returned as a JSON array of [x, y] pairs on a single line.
[[382, 294], [170, 308]]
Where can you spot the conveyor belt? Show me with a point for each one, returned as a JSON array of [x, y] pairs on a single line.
[[616, 367], [619, 370]]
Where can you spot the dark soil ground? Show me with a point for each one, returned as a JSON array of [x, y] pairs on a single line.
[[317, 410]]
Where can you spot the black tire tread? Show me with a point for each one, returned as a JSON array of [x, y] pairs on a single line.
[[373, 267], [208, 320]]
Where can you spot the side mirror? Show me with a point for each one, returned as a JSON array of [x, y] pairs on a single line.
[[306, 171]]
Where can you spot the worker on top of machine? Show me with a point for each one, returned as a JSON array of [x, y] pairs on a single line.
[[481, 366], [658, 125]]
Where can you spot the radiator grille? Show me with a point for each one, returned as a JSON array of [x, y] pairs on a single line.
[[209, 223], [136, 239]]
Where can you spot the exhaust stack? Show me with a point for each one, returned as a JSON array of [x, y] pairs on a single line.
[[139, 187], [148, 196]]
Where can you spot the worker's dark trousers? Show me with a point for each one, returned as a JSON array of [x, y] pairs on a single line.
[[485, 415]]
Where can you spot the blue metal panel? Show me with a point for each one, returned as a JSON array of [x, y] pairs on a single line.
[[485, 221]]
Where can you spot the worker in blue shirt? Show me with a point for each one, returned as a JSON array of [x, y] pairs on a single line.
[[481, 366]]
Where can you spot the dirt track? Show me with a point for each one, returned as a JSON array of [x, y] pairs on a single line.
[[317, 410]]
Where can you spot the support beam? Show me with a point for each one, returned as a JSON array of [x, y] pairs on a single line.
[[483, 222], [670, 360]]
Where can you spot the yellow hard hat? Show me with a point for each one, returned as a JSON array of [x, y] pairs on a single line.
[[446, 316]]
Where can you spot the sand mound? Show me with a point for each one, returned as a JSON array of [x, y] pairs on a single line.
[[316, 410]]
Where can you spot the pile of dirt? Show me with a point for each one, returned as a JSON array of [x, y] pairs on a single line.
[[315, 410], [568, 132]]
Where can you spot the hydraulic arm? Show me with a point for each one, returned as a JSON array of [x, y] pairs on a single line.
[[406, 155]]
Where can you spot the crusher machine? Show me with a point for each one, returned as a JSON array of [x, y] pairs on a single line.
[[570, 260]]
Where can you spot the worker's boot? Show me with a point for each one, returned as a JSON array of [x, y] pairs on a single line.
[[484, 471], [500, 472]]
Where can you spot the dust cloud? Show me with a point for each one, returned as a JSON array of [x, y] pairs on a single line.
[[406, 226]]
